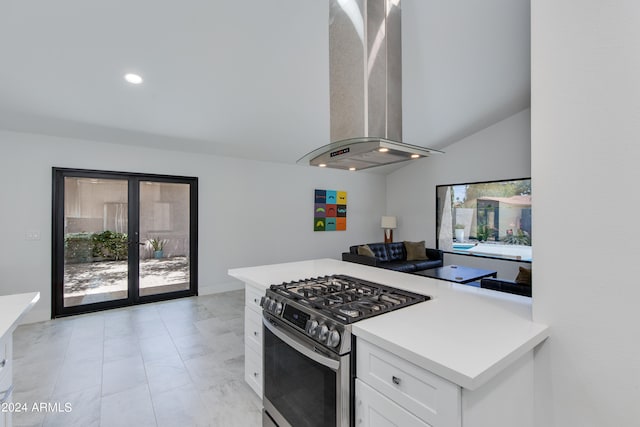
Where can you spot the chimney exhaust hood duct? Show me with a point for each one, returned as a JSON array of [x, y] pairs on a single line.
[[365, 64]]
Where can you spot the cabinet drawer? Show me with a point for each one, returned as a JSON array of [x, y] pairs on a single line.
[[253, 330], [252, 297], [253, 370], [373, 409], [428, 396]]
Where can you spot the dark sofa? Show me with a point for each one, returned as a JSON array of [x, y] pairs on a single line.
[[393, 256], [506, 286], [520, 286]]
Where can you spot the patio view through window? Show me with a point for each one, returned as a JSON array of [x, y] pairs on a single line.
[[121, 239], [491, 219]]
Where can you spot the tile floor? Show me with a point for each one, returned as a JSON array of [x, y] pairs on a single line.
[[175, 363]]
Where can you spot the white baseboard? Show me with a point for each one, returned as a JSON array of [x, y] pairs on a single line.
[[216, 288]]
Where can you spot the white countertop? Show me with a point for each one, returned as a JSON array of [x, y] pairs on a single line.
[[13, 307], [464, 334]]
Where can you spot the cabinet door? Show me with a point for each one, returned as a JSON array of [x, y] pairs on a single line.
[[252, 297], [253, 370], [375, 410], [5, 377], [428, 396], [253, 330]]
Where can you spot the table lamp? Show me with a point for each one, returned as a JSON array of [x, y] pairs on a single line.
[[388, 223]]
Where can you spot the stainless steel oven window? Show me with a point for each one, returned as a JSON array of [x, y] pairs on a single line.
[[303, 387]]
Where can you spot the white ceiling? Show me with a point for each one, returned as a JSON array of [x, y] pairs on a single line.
[[246, 78]]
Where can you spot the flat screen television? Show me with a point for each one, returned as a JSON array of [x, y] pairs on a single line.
[[489, 219]]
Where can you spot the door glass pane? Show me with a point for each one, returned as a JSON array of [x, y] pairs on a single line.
[[164, 237], [95, 240]]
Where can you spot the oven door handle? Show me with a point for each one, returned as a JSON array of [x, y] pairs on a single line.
[[332, 364]]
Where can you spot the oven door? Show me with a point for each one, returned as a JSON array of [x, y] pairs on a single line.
[[303, 386]]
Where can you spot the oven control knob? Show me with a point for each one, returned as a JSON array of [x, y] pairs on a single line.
[[265, 303], [323, 332], [312, 327], [272, 305], [333, 338], [279, 308]]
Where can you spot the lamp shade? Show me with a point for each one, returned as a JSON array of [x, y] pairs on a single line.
[[388, 222]]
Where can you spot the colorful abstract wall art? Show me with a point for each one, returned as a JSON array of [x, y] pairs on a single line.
[[330, 210]]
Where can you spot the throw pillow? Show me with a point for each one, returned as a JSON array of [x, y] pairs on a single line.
[[366, 251], [524, 276], [415, 251]]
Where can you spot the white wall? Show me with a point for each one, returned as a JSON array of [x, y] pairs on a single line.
[[501, 151], [585, 167], [250, 212]]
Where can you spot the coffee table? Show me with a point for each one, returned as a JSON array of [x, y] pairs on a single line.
[[457, 273]]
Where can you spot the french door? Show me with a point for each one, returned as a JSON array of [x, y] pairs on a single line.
[[121, 239]]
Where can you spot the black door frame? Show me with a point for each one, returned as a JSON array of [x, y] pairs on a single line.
[[57, 241]]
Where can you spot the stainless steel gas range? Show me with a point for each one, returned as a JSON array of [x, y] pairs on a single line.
[[309, 350]]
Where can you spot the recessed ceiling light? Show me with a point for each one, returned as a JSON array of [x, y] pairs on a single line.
[[352, 169], [383, 150], [322, 165], [133, 78], [415, 156]]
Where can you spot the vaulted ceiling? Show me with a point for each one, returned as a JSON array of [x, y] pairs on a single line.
[[246, 78]]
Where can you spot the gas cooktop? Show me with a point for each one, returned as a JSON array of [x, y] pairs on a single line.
[[346, 299]]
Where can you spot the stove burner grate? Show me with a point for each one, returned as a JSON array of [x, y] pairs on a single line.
[[345, 298]]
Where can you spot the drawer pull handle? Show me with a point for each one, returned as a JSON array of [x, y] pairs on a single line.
[[256, 300], [395, 380], [4, 362], [255, 333], [255, 374], [5, 395]]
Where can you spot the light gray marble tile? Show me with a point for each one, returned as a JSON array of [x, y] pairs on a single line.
[[227, 346], [181, 406], [121, 348], [150, 328], [192, 312], [232, 397], [88, 326], [166, 374], [118, 327], [75, 409], [132, 407], [76, 357], [34, 395], [84, 348], [146, 313], [123, 374], [192, 346], [38, 376], [207, 371], [79, 374], [180, 327], [159, 347]]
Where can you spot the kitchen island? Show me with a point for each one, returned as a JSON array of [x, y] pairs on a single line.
[[12, 309], [478, 340]]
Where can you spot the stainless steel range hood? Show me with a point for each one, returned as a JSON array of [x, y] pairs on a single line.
[[365, 64]]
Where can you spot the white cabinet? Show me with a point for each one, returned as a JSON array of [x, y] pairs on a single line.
[[253, 338], [6, 378], [12, 308], [415, 391], [390, 391], [374, 409]]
